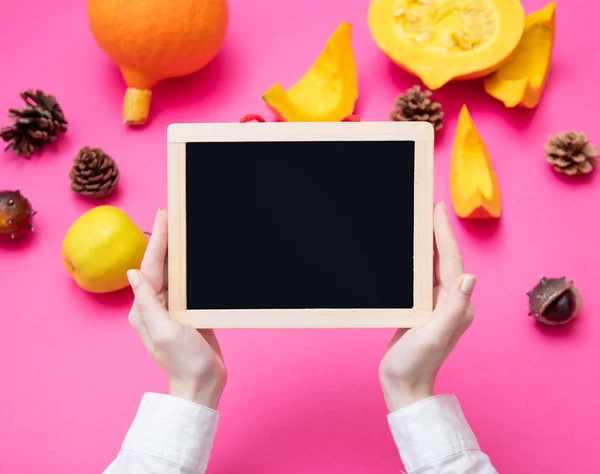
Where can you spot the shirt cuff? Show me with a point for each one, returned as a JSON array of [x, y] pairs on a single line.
[[429, 430], [173, 429]]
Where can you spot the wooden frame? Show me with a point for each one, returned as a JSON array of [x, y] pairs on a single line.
[[421, 133]]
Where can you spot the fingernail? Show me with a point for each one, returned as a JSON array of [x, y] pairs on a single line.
[[159, 209], [133, 277], [468, 284], [443, 204]]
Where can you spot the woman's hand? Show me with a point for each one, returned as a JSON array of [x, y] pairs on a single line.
[[414, 357], [191, 358]]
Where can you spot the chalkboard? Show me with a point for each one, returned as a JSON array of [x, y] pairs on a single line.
[[300, 225]]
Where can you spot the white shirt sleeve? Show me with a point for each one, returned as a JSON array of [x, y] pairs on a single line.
[[433, 436], [169, 435]]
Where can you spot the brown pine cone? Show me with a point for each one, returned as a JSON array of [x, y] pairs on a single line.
[[416, 105], [94, 173], [34, 125], [571, 153]]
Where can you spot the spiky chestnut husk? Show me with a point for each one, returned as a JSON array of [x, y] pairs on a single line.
[[16, 215], [554, 301]]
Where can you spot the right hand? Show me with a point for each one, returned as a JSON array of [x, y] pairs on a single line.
[[409, 368], [191, 358]]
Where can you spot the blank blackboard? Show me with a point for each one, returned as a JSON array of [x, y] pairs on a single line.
[[298, 228], [300, 225]]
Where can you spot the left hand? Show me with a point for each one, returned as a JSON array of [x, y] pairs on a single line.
[[191, 358], [409, 368]]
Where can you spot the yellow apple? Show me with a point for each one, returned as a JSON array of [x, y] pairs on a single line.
[[100, 247]]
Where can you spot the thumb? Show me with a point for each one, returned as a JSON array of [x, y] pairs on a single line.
[[459, 299], [456, 311], [146, 303]]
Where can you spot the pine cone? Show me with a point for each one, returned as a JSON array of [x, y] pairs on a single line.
[[35, 125], [571, 153], [94, 173], [417, 105]]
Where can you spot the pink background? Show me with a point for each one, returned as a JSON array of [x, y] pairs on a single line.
[[73, 370]]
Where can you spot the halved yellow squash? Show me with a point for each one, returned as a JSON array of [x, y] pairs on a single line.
[[522, 79], [443, 40], [328, 90]]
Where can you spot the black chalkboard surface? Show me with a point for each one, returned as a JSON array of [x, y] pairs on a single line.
[[300, 225]]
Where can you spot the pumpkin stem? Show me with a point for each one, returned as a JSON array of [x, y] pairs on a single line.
[[136, 106]]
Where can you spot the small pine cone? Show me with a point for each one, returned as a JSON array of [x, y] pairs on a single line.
[[571, 153], [416, 105], [94, 173], [34, 125]]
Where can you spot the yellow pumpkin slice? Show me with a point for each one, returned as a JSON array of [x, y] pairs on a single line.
[[474, 186], [328, 90], [443, 40], [522, 79]]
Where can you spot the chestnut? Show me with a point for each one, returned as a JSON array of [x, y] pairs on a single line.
[[16, 215], [554, 301]]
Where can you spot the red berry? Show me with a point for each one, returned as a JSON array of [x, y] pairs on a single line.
[[251, 117]]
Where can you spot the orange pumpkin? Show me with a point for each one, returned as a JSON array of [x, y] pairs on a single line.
[[151, 40]]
